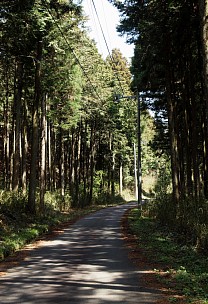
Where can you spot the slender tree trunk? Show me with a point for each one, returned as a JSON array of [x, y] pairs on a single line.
[[84, 161], [62, 171], [49, 157], [17, 125], [205, 154], [173, 141], [6, 146], [113, 174], [76, 170], [195, 149], [6, 167], [187, 145], [172, 121], [43, 154], [53, 154], [203, 50], [203, 7], [24, 152], [72, 162], [34, 149], [110, 161], [92, 161], [112, 168], [121, 179], [135, 173], [11, 155]]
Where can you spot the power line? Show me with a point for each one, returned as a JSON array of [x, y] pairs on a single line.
[[104, 15], [74, 54], [111, 57], [94, 22]]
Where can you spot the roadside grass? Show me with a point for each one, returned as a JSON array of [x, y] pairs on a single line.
[[179, 267], [18, 229]]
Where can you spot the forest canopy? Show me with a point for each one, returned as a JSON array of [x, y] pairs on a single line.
[[61, 129], [63, 133], [170, 64]]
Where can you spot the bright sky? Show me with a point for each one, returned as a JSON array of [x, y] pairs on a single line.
[[109, 19]]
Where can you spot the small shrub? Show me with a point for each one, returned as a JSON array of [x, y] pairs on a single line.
[[55, 201]]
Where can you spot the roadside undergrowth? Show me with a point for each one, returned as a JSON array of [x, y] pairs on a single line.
[[18, 228], [180, 270]]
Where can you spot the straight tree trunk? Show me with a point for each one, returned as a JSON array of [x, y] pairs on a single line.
[[113, 174], [110, 161], [172, 118], [173, 138], [92, 161], [43, 155], [203, 50], [6, 146], [17, 125], [121, 179], [49, 156], [6, 137], [203, 9], [35, 123], [24, 152], [62, 169]]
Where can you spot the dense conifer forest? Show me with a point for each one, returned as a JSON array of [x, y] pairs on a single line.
[[170, 65], [67, 141]]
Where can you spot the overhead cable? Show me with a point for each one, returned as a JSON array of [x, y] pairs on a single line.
[[111, 57], [73, 52]]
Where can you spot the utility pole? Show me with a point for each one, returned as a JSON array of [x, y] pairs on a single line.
[[138, 174], [135, 173], [139, 171]]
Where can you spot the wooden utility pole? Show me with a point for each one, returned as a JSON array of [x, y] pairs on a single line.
[[138, 172]]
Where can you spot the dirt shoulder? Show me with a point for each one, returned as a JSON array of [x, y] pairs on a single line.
[[151, 278]]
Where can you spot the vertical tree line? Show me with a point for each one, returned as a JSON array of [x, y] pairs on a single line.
[[170, 66], [61, 131]]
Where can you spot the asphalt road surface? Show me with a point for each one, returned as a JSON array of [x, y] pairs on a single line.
[[88, 263]]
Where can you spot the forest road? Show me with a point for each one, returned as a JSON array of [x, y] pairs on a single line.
[[88, 263]]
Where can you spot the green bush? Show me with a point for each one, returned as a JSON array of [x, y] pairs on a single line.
[[12, 201], [186, 268], [55, 201]]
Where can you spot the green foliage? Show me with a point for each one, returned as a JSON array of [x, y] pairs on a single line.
[[187, 267], [163, 185], [161, 203], [12, 201], [193, 222], [55, 201], [189, 217], [18, 228]]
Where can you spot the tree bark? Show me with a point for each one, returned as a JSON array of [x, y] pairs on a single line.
[[172, 134], [92, 160], [203, 12], [43, 154], [24, 152], [7, 145], [17, 126], [31, 206]]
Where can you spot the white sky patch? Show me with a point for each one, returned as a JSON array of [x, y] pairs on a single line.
[[109, 19]]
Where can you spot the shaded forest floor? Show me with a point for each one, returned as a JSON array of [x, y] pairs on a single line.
[[181, 274]]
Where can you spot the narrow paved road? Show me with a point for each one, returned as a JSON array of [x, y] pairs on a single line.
[[88, 263]]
